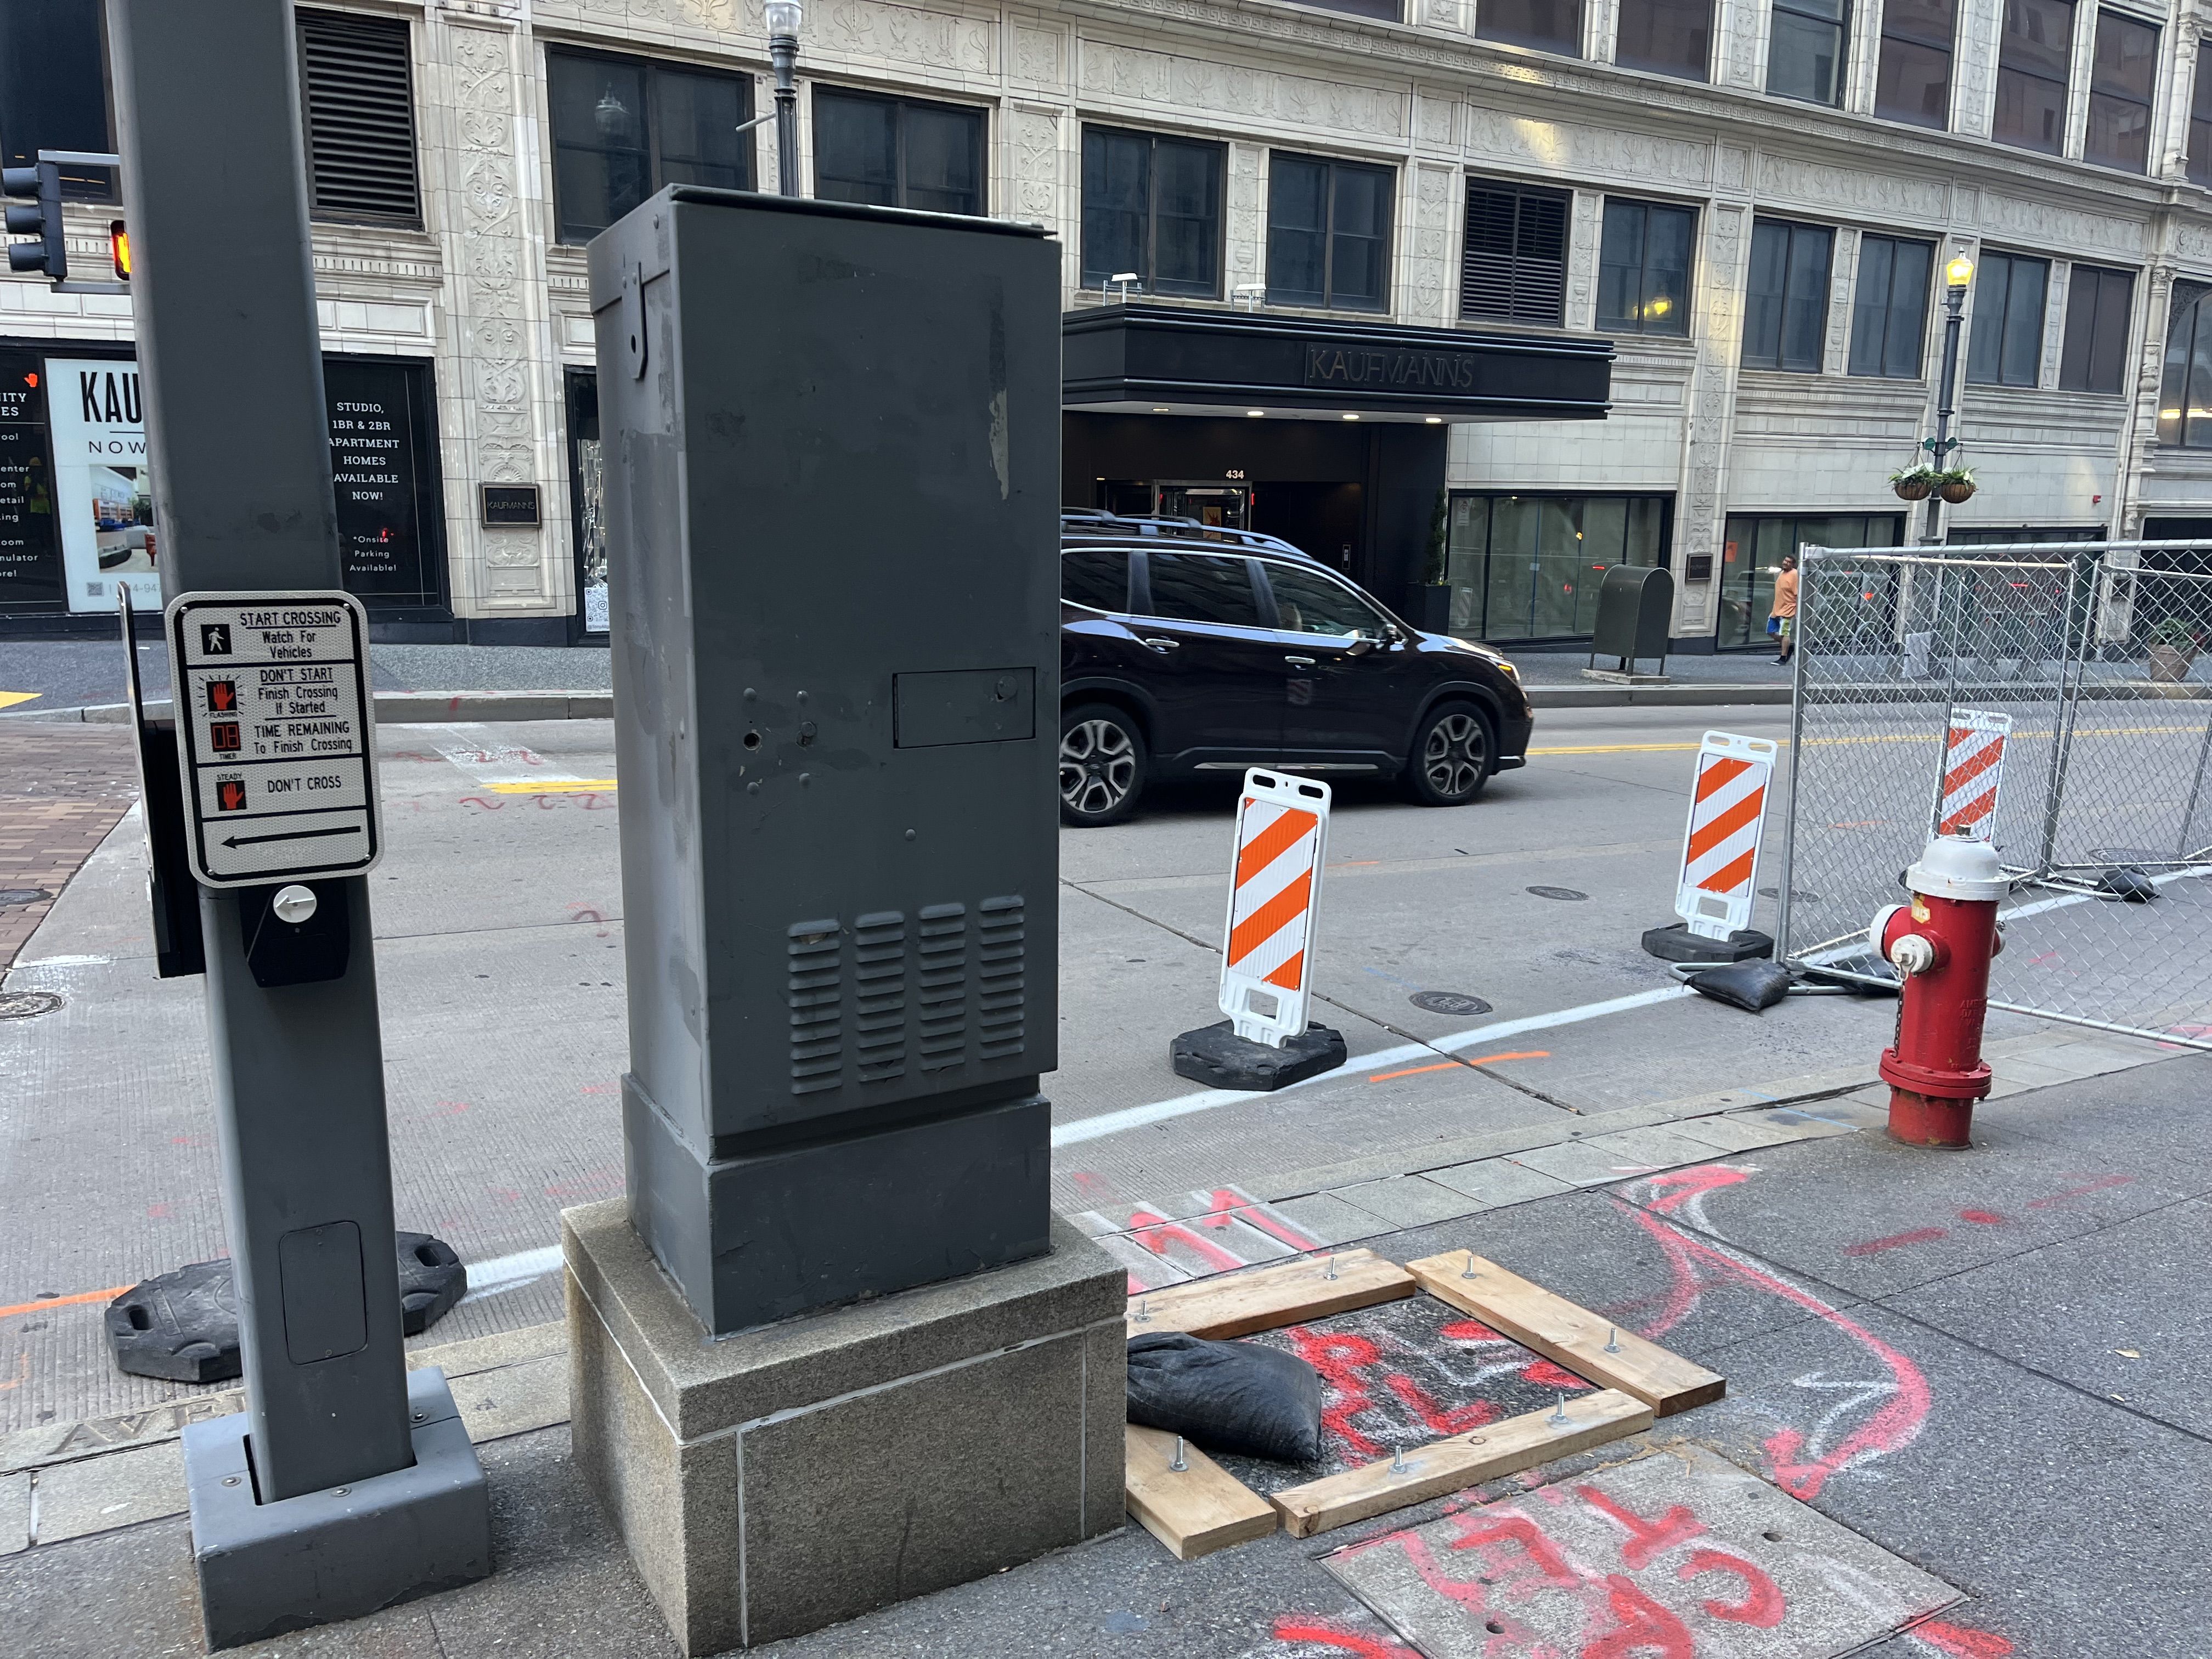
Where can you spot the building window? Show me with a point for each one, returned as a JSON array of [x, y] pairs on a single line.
[[893, 152], [1329, 232], [1667, 37], [385, 481], [588, 501], [1914, 81], [358, 112], [2184, 397], [1513, 265], [1751, 548], [53, 89], [624, 128], [1547, 25], [1643, 268], [2120, 78], [2200, 118], [1787, 318], [1805, 51], [1152, 205], [2094, 358], [1529, 567], [1889, 312], [2031, 59], [2007, 339]]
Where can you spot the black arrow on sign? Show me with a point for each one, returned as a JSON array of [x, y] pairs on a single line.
[[292, 835]]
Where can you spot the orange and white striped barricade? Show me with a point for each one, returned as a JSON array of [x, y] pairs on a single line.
[[1720, 854], [1267, 955], [1973, 767]]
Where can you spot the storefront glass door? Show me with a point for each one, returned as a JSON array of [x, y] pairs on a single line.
[[1527, 566], [1751, 558]]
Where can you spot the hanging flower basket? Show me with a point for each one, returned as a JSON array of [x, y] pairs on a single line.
[[1914, 483], [1954, 486]]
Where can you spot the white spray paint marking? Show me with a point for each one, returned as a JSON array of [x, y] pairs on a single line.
[[1136, 1117], [480, 752], [511, 1273]]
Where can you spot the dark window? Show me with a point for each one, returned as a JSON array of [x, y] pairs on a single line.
[[1786, 317], [2031, 58], [1751, 557], [1889, 312], [1203, 587], [1152, 205], [1643, 268], [1515, 264], [53, 89], [1914, 79], [2095, 356], [1329, 232], [1547, 25], [1307, 602], [1668, 37], [587, 501], [2120, 79], [2007, 339], [893, 152], [1529, 566], [1096, 576], [2200, 120], [624, 128], [357, 108], [2184, 397], [384, 479], [1805, 51]]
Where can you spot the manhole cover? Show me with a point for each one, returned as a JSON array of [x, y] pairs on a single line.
[[12, 895], [1797, 895], [1557, 893], [1449, 1002], [23, 1004]]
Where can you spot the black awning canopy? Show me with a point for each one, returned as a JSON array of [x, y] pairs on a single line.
[[1144, 359]]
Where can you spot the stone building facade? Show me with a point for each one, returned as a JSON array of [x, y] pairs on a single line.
[[1727, 448]]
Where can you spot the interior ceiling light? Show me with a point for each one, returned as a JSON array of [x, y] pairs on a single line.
[[1434, 420], [1352, 418], [1256, 411], [1159, 409]]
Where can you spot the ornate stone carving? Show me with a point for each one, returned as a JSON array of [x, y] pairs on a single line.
[[719, 16], [1704, 453], [1845, 266], [2043, 225], [1036, 56], [1560, 148], [1432, 120], [2192, 246], [1582, 238], [1731, 166], [1818, 185], [1196, 84], [1973, 67], [1033, 145], [1425, 285], [1247, 218], [1741, 38], [933, 39]]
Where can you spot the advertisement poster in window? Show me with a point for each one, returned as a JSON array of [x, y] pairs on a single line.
[[390, 556], [103, 490], [30, 540]]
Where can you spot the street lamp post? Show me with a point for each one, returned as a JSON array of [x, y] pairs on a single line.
[[783, 56], [1956, 274]]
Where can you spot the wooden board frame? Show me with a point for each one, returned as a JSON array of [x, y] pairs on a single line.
[[1637, 1381]]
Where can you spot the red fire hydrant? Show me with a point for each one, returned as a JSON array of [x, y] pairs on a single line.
[[1940, 946]]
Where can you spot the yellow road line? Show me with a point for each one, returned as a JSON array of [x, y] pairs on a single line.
[[10, 699], [554, 787]]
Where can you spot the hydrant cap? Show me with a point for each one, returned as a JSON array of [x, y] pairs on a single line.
[[1954, 867]]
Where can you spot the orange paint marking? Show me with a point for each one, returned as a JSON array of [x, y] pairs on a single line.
[[1454, 1064], [107, 1295]]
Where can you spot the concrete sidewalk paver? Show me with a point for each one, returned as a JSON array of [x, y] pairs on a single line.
[[62, 789]]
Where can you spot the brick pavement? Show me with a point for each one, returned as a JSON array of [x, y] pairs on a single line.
[[62, 788]]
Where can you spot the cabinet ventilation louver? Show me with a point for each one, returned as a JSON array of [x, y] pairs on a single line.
[[817, 980], [358, 109], [1515, 264]]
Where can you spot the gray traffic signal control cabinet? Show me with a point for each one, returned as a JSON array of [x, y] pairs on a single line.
[[831, 452]]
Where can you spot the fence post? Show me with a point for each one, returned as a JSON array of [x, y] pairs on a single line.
[[1808, 560], [2081, 583]]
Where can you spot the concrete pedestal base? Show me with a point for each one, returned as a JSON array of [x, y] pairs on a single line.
[[265, 1569], [786, 1478]]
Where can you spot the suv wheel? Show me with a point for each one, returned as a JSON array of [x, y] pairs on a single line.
[[1452, 757], [1102, 766]]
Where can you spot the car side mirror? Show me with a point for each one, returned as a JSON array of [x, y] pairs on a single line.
[[1361, 646]]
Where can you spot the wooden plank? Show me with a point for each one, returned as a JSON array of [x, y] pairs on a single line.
[[1571, 1335], [1194, 1511], [1265, 1298], [1464, 1460]]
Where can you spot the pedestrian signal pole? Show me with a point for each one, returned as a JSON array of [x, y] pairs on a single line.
[[345, 1485]]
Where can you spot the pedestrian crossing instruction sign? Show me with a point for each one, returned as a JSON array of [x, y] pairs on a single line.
[[276, 736]]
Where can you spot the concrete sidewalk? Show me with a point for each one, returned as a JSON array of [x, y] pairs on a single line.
[[1983, 1363]]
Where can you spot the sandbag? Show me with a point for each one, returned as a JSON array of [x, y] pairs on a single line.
[[1750, 985], [1226, 1396]]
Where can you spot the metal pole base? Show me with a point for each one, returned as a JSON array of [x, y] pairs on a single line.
[[265, 1569], [1917, 1120]]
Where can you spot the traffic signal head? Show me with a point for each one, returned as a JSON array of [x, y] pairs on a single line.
[[41, 217], [118, 249]]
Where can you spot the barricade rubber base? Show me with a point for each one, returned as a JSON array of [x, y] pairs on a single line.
[[1216, 1056], [182, 1327], [1679, 944]]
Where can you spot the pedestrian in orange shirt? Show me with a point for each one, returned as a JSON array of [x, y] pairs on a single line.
[[1782, 615]]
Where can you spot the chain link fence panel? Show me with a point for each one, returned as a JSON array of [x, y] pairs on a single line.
[[2056, 699]]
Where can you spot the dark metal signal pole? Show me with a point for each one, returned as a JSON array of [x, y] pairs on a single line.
[[207, 101], [1956, 276], [783, 57]]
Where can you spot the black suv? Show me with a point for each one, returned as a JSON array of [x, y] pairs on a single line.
[[1189, 649]]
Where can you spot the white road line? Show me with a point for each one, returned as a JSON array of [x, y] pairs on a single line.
[[488, 758], [1136, 1117]]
